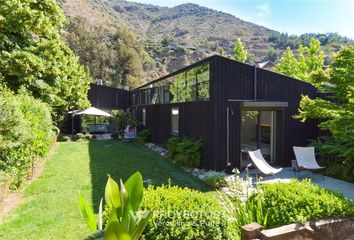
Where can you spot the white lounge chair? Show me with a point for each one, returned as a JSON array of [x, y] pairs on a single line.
[[259, 161], [306, 159]]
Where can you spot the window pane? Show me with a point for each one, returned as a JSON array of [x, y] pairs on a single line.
[[187, 86], [174, 121]]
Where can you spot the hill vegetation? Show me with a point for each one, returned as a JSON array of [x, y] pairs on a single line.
[[166, 39]]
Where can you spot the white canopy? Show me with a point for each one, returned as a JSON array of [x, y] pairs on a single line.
[[94, 111]]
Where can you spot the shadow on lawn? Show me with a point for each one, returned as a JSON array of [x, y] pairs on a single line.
[[121, 160]]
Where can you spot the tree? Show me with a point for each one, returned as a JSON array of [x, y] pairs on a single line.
[[32, 55], [310, 61], [240, 54], [336, 114], [95, 50], [271, 55]]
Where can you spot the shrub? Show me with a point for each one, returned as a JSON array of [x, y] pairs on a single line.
[[244, 212], [79, 137], [301, 201], [215, 179], [183, 213], [341, 171], [144, 136], [26, 131], [88, 136], [184, 151], [64, 138]]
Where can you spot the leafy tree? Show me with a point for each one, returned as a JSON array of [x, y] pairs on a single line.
[[271, 55], [309, 61], [33, 55], [94, 48], [240, 54], [336, 114]]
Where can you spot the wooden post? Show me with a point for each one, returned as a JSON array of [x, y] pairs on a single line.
[[251, 231]]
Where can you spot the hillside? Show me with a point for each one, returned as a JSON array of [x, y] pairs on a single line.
[[175, 37]]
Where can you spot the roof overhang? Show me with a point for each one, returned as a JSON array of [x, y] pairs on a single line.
[[248, 104]]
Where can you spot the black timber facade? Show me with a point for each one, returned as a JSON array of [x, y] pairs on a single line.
[[233, 87]]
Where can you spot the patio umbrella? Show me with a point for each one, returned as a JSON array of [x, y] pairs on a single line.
[[95, 112], [90, 111]]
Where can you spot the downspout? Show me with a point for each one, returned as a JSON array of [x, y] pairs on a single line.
[[255, 83]]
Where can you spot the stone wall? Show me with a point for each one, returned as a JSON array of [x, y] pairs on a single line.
[[334, 228]]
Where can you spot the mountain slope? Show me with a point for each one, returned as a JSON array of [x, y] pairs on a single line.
[[177, 36]]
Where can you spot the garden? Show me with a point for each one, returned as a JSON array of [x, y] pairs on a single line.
[[118, 189]]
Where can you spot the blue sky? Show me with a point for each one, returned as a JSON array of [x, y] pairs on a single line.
[[291, 16]]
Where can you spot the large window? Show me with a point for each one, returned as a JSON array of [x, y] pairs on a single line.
[[190, 85], [174, 121]]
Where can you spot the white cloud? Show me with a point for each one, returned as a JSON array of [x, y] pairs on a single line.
[[263, 9]]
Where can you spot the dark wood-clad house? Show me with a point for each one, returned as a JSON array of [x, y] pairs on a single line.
[[233, 107]]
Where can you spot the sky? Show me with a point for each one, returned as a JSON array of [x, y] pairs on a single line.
[[291, 16]]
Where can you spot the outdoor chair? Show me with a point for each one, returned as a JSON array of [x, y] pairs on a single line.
[[306, 159], [262, 165]]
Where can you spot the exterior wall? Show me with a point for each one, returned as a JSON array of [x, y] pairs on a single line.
[[196, 120], [207, 120], [108, 97], [234, 80]]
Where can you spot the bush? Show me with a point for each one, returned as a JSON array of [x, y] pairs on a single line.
[[64, 138], [79, 137], [301, 201], [182, 213], [26, 131], [88, 136], [215, 179], [144, 136], [184, 151], [341, 171]]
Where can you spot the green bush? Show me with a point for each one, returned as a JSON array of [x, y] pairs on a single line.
[[185, 152], [215, 179], [64, 138], [341, 171], [144, 136], [183, 213], [88, 136], [299, 201], [26, 131], [79, 137]]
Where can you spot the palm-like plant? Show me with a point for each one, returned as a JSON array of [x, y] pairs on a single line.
[[121, 204]]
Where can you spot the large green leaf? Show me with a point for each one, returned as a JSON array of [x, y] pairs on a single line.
[[87, 213], [112, 194], [116, 231], [141, 225], [134, 186]]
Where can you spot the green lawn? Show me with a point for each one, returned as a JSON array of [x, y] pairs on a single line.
[[49, 209]]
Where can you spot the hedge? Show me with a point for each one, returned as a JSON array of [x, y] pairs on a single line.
[[26, 131]]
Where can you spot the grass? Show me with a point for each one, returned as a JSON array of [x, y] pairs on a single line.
[[49, 208]]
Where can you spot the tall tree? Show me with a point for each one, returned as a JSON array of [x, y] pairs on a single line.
[[94, 48], [337, 115], [310, 61], [33, 55], [240, 54]]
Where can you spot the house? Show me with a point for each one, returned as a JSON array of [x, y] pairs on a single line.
[[232, 107]]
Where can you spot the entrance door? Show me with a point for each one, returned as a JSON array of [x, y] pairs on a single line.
[[257, 132]]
